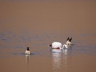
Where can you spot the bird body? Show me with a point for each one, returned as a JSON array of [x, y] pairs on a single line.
[[56, 45], [65, 46], [27, 52], [59, 45], [68, 42]]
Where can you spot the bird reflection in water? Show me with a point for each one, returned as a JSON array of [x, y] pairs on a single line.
[[59, 59], [27, 62], [56, 58], [65, 59]]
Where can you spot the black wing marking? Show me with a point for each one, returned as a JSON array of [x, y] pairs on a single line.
[[67, 38], [70, 39]]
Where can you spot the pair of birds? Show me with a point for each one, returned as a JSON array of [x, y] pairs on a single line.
[[58, 45], [55, 45]]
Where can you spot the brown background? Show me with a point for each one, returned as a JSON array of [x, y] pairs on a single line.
[[43, 16], [46, 15]]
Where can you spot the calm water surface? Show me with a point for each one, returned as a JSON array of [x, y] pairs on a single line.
[[79, 57], [36, 24]]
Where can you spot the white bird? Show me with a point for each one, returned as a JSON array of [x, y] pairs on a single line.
[[65, 46], [58, 45], [27, 52]]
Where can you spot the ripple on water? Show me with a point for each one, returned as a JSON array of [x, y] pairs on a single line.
[[82, 43]]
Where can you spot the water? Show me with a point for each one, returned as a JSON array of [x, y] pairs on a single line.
[[78, 57], [36, 24]]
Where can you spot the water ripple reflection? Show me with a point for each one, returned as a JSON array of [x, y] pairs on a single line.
[[59, 59], [56, 58], [65, 51], [27, 61]]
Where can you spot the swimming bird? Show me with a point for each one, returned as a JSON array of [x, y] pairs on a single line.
[[58, 45], [27, 52], [69, 41], [65, 46]]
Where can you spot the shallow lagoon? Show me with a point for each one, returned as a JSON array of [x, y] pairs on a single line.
[[79, 57], [37, 24]]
